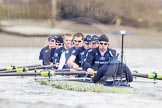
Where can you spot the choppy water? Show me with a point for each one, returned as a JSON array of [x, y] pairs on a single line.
[[24, 92]]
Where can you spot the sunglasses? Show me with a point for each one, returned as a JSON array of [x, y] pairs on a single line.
[[103, 43], [77, 41], [52, 41], [59, 44], [87, 43], [94, 43]]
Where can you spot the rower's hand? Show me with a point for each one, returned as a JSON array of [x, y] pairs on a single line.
[[76, 67], [56, 65], [90, 71]]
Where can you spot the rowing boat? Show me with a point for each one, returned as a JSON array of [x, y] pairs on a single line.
[[76, 84], [83, 86], [48, 77]]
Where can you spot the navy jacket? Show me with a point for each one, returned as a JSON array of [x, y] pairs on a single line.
[[46, 55], [94, 59], [78, 52], [58, 53]]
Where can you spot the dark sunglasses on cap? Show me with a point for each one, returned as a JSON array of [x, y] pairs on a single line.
[[77, 41], [103, 43]]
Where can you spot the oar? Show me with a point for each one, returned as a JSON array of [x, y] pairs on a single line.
[[35, 68], [82, 79], [25, 69], [10, 68], [43, 73], [150, 75]]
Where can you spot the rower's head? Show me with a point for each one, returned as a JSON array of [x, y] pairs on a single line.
[[103, 42], [95, 41], [88, 42], [52, 41], [78, 39], [59, 42], [67, 38]]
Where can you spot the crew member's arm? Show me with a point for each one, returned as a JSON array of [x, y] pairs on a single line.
[[71, 60], [89, 62]]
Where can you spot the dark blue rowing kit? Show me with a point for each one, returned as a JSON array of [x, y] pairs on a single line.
[[107, 66], [46, 55]]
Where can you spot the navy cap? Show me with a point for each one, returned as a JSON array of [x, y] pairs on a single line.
[[52, 37], [59, 39], [103, 37], [95, 38], [87, 38]]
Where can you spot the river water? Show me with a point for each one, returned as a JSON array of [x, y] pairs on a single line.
[[24, 92]]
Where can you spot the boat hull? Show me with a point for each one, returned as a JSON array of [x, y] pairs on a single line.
[[85, 86]]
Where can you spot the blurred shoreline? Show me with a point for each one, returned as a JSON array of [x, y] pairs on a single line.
[[34, 33]]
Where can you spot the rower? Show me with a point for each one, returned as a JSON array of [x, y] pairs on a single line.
[[76, 59], [112, 72], [77, 41], [59, 42], [60, 54], [98, 59], [95, 41], [87, 47], [47, 52]]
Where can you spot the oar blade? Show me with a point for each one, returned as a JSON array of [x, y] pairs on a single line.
[[10, 68], [24, 69]]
